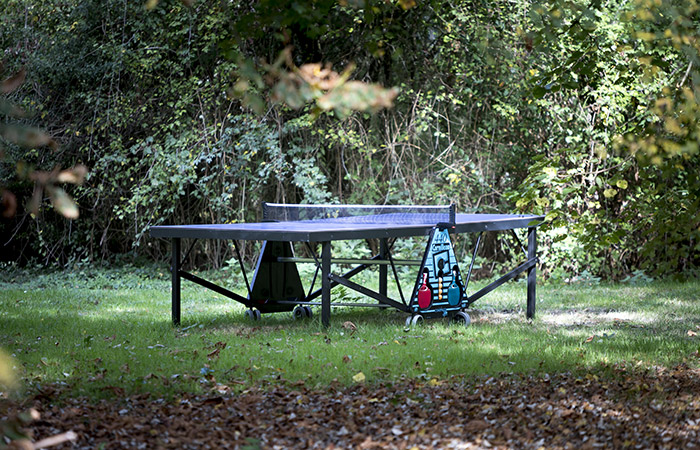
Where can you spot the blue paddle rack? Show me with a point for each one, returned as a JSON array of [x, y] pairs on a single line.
[[439, 288]]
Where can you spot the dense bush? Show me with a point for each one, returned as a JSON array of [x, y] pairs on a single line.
[[548, 108]]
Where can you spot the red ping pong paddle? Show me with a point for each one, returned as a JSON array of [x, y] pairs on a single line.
[[425, 295]]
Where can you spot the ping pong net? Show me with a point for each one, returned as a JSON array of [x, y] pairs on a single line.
[[361, 214]]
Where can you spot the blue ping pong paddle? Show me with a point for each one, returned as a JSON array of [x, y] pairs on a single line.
[[425, 295], [454, 292]]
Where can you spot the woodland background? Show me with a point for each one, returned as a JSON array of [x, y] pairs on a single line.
[[190, 112]]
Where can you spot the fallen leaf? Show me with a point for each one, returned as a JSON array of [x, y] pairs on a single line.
[[213, 401], [359, 377], [117, 391], [476, 425], [368, 444]]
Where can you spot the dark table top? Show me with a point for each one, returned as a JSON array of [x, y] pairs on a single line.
[[346, 228]]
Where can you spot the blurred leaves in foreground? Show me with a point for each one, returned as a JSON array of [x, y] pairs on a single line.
[[8, 380], [13, 132], [313, 82]]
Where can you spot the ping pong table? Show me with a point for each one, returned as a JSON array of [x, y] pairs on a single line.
[[440, 289]]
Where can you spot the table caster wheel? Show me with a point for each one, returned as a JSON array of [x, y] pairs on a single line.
[[309, 312], [301, 312], [298, 312], [462, 318], [253, 314], [413, 321]]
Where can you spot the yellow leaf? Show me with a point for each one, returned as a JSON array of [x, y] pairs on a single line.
[[672, 126], [622, 184], [646, 36], [610, 193], [541, 201], [550, 171], [601, 151], [663, 104], [359, 377], [7, 374]]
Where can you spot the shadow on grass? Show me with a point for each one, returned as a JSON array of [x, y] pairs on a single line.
[[106, 342]]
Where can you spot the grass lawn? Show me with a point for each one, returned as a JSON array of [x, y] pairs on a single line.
[[101, 332]]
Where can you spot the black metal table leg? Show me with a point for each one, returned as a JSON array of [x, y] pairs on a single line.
[[175, 285], [383, 251], [531, 272], [325, 283]]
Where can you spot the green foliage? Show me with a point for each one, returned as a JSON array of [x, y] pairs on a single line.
[[584, 111], [666, 33], [594, 182]]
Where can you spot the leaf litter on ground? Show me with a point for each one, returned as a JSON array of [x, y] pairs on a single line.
[[617, 407]]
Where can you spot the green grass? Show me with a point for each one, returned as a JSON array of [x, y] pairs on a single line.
[[96, 332]]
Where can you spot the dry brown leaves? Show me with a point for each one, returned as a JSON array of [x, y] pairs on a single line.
[[622, 410]]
